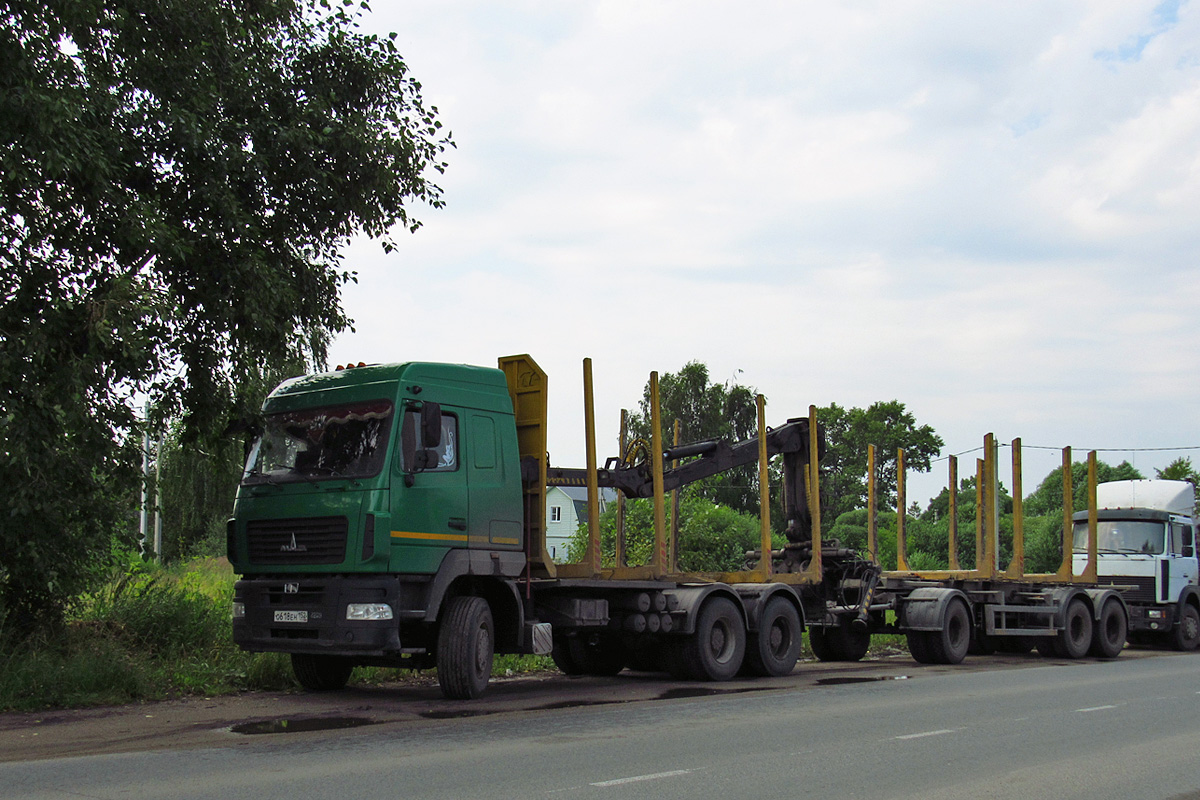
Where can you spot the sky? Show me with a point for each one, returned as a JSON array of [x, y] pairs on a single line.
[[987, 211]]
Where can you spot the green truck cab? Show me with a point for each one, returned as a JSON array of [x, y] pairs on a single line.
[[374, 496]]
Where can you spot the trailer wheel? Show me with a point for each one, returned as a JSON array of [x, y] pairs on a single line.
[[597, 653], [1047, 647], [918, 646], [321, 673], [1075, 638], [773, 650], [843, 643], [465, 648], [715, 651], [950, 644], [1108, 635], [1187, 634]]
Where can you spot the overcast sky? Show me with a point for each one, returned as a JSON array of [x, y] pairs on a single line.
[[988, 211]]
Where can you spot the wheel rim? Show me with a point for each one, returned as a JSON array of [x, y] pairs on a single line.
[[483, 648], [779, 639], [720, 642]]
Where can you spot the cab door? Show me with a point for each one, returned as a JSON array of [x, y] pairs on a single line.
[[430, 508]]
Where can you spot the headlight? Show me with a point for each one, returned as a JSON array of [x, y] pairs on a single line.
[[239, 610], [1155, 613], [368, 611]]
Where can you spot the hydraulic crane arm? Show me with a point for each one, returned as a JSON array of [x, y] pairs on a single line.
[[705, 459]]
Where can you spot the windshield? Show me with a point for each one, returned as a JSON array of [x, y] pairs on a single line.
[[1122, 536], [347, 441]]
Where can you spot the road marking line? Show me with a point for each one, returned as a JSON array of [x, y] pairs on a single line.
[[1093, 708], [923, 735], [639, 778]]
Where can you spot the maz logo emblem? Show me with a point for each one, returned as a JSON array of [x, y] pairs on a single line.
[[291, 588], [292, 547]]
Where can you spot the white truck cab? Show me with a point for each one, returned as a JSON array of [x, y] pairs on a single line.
[[1146, 540]]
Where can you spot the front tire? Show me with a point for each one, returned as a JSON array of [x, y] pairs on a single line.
[[465, 648], [1187, 634], [321, 673]]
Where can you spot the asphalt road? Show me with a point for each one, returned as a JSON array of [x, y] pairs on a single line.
[[1129, 728]]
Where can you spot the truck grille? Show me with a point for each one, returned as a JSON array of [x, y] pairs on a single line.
[[1144, 593], [312, 540]]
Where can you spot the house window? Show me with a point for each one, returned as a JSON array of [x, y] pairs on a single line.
[[556, 513]]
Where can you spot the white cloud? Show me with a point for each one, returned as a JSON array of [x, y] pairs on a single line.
[[973, 208]]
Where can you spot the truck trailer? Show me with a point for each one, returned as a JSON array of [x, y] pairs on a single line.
[[393, 515]]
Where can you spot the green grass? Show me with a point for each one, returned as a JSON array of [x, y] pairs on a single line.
[[152, 633]]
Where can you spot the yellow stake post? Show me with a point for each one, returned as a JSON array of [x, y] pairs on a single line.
[[901, 540], [953, 555], [593, 487], [872, 529], [764, 496], [656, 465]]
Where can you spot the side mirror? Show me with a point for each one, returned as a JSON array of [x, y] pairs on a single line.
[[431, 425], [1188, 551]]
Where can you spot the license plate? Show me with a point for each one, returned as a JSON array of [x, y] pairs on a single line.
[[291, 616]]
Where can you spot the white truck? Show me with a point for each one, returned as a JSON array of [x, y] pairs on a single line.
[[1146, 540]]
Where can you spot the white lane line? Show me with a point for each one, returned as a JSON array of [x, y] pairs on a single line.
[[923, 734], [1093, 708], [640, 778]]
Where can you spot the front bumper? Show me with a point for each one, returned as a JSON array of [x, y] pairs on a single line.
[[321, 601]]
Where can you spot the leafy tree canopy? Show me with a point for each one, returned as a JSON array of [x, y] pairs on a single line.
[[849, 431], [706, 411], [1048, 497], [176, 180]]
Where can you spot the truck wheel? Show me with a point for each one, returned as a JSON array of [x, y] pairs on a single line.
[[1187, 633], [773, 650], [563, 658], [1108, 636], [844, 643], [1047, 647], [918, 646], [465, 648], [715, 651], [596, 653], [950, 644], [321, 673], [1075, 638]]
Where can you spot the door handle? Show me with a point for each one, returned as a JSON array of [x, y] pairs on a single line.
[[458, 523]]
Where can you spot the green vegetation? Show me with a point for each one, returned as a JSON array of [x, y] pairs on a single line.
[[150, 633], [178, 182]]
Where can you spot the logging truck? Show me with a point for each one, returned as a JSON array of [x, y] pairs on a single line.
[[394, 515]]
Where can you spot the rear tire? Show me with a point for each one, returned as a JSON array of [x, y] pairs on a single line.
[[1075, 638], [321, 673], [1108, 635], [844, 643], [918, 646], [772, 650], [1187, 634], [951, 643], [465, 648], [597, 653], [715, 651]]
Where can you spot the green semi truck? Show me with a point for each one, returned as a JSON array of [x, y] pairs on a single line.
[[394, 515]]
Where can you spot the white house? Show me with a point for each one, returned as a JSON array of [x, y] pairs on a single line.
[[566, 508]]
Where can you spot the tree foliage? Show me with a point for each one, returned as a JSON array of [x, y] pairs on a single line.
[[712, 537], [176, 181], [849, 431], [706, 411]]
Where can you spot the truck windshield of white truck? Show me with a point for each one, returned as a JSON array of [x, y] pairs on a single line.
[[1122, 536], [347, 441]]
